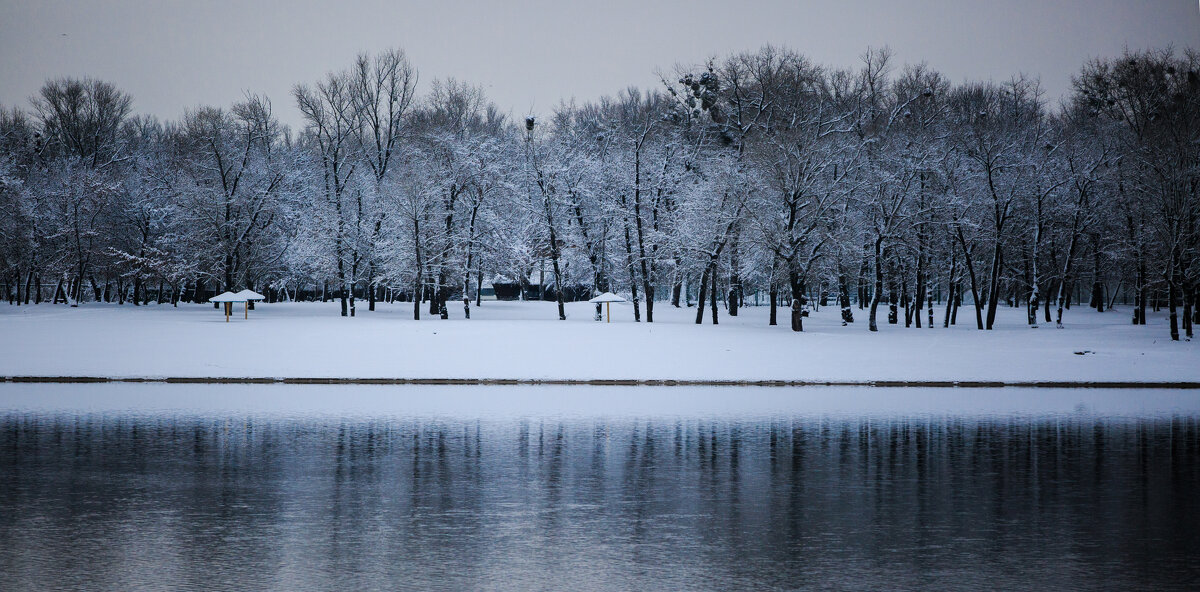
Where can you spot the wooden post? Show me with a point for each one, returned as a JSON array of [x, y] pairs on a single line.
[[228, 310], [246, 309], [608, 309]]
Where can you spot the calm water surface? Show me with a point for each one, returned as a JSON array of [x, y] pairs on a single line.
[[144, 487]]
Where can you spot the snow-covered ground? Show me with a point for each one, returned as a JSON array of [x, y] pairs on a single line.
[[524, 340]]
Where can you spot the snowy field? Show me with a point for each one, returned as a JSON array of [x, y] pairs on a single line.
[[524, 340]]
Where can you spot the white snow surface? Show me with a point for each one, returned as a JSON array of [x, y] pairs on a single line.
[[524, 340], [227, 297], [607, 297], [250, 295]]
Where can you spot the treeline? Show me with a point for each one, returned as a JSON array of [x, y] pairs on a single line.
[[761, 173]]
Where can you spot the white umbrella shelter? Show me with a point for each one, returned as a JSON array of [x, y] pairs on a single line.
[[249, 295], [607, 298], [227, 298]]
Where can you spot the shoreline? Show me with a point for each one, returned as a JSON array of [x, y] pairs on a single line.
[[1050, 384]]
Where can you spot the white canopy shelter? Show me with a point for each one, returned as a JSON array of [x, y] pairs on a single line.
[[228, 298], [607, 298], [249, 295]]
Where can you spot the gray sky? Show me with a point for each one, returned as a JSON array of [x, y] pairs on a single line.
[[528, 55]]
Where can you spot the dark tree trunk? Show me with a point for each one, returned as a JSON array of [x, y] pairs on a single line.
[[735, 282], [712, 275], [774, 294], [371, 290], [951, 286], [1172, 311], [872, 325], [345, 288], [863, 270], [949, 305], [796, 283], [957, 303], [1187, 309], [1046, 308], [562, 312], [1140, 312], [922, 270], [95, 288], [1097, 300], [844, 299], [993, 295], [974, 290], [479, 288], [893, 297]]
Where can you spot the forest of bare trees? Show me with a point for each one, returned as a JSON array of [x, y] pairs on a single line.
[[760, 178]]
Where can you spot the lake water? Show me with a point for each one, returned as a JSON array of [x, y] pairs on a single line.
[[189, 487]]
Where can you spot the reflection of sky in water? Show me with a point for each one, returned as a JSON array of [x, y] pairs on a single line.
[[123, 487]]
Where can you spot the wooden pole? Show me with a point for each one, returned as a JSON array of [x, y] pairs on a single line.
[[246, 308], [228, 309], [608, 310]]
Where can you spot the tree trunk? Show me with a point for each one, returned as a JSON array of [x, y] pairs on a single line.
[[993, 295], [700, 299], [962, 241], [929, 307], [342, 282], [774, 294], [1034, 296], [949, 306], [1187, 309], [863, 269], [957, 303], [562, 312], [893, 297], [1171, 296], [796, 283], [1046, 308], [951, 284], [479, 288], [712, 277], [922, 271], [371, 288], [735, 282], [1097, 301], [844, 297], [1140, 313], [871, 323]]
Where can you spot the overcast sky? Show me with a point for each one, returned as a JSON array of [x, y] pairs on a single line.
[[172, 56]]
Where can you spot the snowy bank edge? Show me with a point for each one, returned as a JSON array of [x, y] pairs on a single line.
[[1131, 384]]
